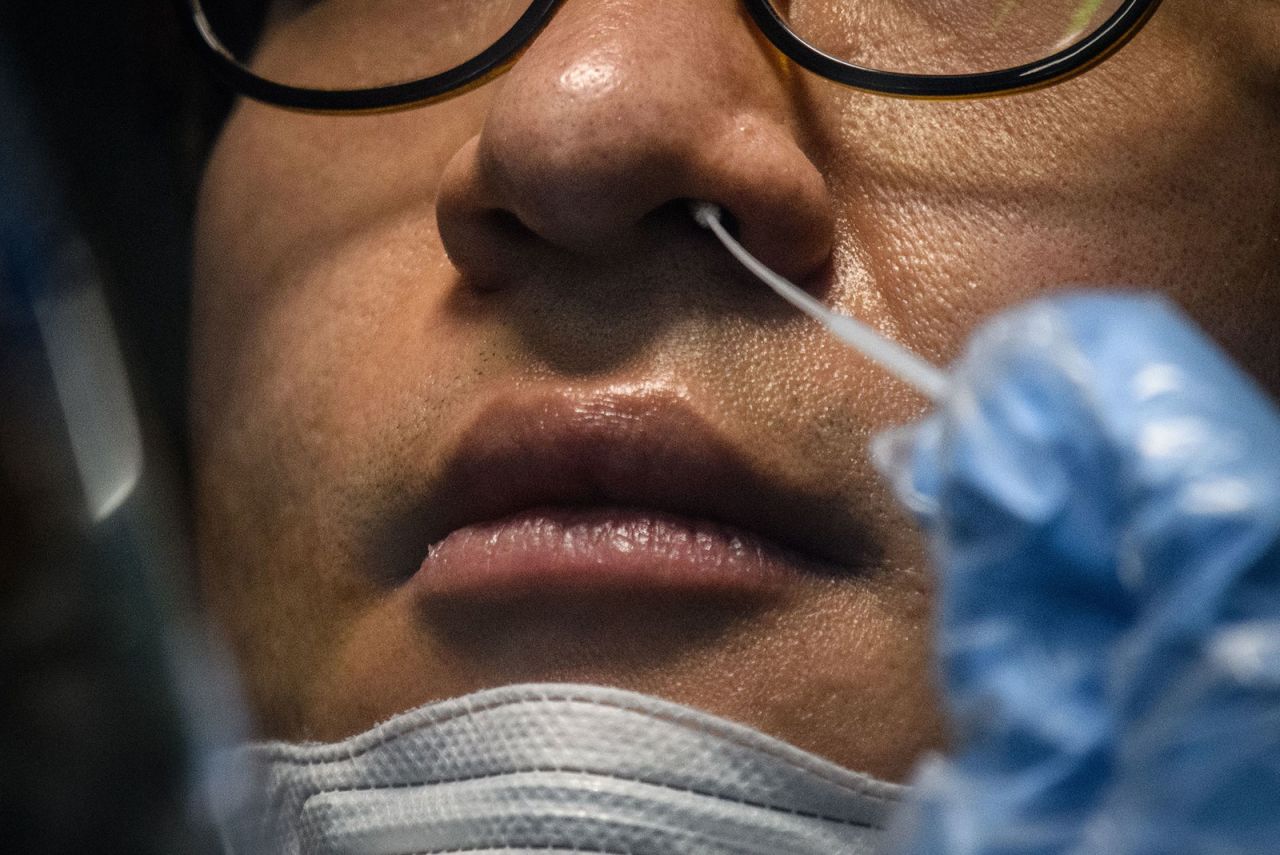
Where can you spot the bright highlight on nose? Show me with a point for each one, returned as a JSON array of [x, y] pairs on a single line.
[[905, 364], [589, 77]]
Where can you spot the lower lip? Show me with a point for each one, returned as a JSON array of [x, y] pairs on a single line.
[[603, 550]]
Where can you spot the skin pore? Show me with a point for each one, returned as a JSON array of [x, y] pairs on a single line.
[[366, 285]]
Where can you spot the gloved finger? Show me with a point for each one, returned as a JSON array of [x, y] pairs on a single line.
[[1102, 492]]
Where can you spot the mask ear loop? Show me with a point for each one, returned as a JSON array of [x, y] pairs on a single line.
[[906, 365]]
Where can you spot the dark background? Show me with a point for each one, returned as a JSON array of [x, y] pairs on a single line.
[[126, 112], [114, 114]]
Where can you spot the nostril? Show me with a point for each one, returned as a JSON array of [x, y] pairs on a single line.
[[506, 225], [730, 223], [490, 245], [704, 212], [677, 217], [701, 210]]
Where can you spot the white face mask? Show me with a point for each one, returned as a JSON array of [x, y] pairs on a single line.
[[549, 767]]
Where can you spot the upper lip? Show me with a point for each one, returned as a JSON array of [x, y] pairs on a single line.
[[647, 450]]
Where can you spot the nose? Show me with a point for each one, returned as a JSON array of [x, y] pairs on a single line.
[[619, 109]]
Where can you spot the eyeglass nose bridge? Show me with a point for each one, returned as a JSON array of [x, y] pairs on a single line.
[[1063, 65]]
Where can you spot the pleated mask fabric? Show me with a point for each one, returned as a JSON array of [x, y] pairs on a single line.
[[538, 767]]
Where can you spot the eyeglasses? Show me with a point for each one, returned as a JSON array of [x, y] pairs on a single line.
[[359, 55]]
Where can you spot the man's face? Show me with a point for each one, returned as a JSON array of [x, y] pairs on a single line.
[[490, 327]]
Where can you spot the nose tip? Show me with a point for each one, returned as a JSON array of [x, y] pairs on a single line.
[[598, 127]]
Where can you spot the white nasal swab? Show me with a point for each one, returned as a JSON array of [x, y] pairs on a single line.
[[904, 364]]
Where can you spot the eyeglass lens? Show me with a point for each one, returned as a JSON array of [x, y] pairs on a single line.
[[356, 44], [353, 44], [943, 36]]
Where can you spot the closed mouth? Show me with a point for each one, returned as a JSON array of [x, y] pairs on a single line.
[[620, 490]]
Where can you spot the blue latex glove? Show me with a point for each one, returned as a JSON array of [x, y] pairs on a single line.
[[1101, 489]]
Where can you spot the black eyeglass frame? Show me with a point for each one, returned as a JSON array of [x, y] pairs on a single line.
[[1119, 28]]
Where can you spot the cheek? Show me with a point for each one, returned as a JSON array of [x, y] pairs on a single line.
[[283, 186], [288, 195], [306, 387], [1158, 170]]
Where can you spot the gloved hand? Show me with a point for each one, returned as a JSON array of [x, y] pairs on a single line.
[[1101, 489]]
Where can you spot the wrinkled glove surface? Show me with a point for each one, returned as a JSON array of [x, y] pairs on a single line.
[[1101, 490]]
